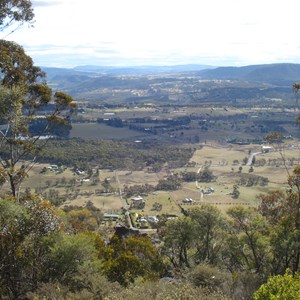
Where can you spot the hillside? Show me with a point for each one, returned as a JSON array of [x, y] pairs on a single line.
[[162, 83], [280, 74]]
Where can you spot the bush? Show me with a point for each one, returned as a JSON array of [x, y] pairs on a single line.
[[279, 287], [211, 278]]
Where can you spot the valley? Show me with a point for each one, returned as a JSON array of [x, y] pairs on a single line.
[[153, 135]]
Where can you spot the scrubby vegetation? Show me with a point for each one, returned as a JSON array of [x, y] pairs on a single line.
[[54, 249], [49, 252]]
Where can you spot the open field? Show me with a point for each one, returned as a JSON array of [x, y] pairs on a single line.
[[67, 184], [217, 155], [224, 162], [140, 177]]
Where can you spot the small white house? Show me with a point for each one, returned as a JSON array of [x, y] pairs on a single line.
[[187, 200], [53, 167], [266, 149], [152, 219]]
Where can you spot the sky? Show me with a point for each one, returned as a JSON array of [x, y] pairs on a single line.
[[69, 33]]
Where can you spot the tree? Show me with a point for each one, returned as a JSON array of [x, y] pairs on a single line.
[[132, 257], [24, 95], [157, 206], [281, 211], [235, 192], [296, 88], [172, 183], [189, 176], [206, 175], [82, 220], [290, 218], [14, 13], [211, 278], [208, 228], [284, 286], [248, 240], [179, 237], [23, 229], [67, 255]]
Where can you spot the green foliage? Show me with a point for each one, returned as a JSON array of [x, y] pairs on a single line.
[[138, 189], [24, 95], [207, 276], [274, 206], [23, 229], [209, 228], [188, 176], [82, 220], [12, 12], [130, 258], [282, 212], [279, 287], [172, 183], [157, 206], [67, 254], [113, 154], [165, 290], [206, 175], [248, 242], [252, 180], [179, 237], [91, 285], [235, 192]]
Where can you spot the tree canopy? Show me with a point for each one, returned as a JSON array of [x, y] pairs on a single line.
[[24, 96], [14, 13]]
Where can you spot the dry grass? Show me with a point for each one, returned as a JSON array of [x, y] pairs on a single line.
[[218, 155], [221, 160]]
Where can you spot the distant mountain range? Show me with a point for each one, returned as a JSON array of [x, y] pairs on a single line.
[[116, 71], [283, 72], [279, 74], [85, 81]]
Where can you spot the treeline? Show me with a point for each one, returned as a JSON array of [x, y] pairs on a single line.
[[115, 154]]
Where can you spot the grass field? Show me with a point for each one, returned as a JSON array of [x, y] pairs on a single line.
[[222, 163], [219, 155]]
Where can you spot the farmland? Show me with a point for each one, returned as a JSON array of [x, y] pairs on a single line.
[[152, 135], [224, 162]]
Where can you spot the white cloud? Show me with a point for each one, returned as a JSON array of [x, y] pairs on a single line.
[[164, 31]]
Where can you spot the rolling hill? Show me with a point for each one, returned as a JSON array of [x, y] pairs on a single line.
[[157, 82]]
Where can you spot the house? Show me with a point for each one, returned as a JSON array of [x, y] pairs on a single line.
[[266, 149], [143, 221], [138, 202], [171, 216], [152, 219], [108, 216], [187, 200], [53, 167]]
